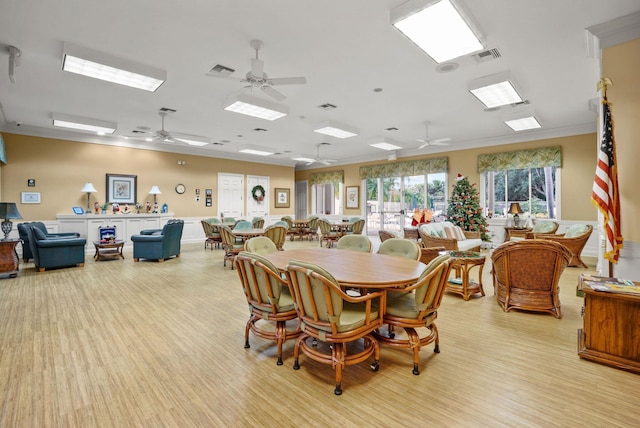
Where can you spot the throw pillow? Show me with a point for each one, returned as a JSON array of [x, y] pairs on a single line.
[[459, 233], [451, 234]]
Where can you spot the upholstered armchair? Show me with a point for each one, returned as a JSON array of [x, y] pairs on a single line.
[[231, 244], [24, 237], [269, 299], [526, 274], [331, 319], [416, 307], [575, 238], [386, 234], [360, 243], [158, 244], [53, 252], [358, 227], [257, 222], [277, 234], [312, 230], [541, 226]]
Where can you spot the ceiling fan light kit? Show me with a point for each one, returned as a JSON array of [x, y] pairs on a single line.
[[256, 107], [99, 65], [336, 130], [83, 123], [439, 28]]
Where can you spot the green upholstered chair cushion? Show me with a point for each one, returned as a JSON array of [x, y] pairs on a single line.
[[264, 282], [400, 247], [354, 243], [576, 230], [260, 245], [545, 227]]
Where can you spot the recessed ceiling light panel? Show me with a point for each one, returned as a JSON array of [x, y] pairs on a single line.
[[336, 130], [83, 123]]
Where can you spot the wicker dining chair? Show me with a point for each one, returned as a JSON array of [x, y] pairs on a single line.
[[257, 222], [260, 245], [327, 234], [385, 234], [526, 274], [401, 247], [277, 234], [360, 243], [331, 319], [269, 299], [231, 244], [417, 308]]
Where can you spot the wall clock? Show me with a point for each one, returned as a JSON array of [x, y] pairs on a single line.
[[180, 189]]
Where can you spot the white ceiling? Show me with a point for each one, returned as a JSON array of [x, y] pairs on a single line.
[[345, 49]]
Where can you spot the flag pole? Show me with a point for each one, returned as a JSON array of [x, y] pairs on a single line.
[[602, 86]]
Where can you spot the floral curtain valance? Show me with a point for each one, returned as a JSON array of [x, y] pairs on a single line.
[[334, 177], [405, 169], [521, 159]]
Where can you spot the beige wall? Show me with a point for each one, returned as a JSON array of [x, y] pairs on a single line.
[[578, 169], [621, 64], [61, 168]]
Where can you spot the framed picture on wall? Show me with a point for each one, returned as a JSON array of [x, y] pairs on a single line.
[[30, 197], [121, 189], [353, 197], [282, 198]]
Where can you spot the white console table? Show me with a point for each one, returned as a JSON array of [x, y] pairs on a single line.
[[126, 224]]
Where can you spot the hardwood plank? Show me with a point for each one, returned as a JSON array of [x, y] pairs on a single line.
[[118, 343]]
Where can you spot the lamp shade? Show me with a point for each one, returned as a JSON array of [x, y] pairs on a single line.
[[155, 191], [9, 210], [88, 188], [514, 208]]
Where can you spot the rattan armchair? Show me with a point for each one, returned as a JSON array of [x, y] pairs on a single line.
[[400, 247], [269, 299], [327, 234], [260, 245], [231, 244], [277, 234], [526, 274], [331, 319], [416, 307], [211, 233], [385, 234], [430, 240], [360, 243], [575, 238]]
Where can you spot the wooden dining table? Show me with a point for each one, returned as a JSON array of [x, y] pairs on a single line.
[[355, 269], [248, 233]]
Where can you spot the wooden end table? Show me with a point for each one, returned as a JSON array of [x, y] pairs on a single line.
[[516, 232], [463, 262], [9, 261], [106, 250]]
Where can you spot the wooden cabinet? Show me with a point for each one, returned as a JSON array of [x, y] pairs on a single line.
[[8, 259], [611, 331]]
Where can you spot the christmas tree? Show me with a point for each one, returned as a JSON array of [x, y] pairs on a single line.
[[464, 208]]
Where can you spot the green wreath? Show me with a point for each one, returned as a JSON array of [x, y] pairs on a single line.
[[255, 195]]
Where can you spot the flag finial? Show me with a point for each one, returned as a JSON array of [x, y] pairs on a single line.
[[603, 85]]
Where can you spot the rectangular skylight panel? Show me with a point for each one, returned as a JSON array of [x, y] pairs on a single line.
[[440, 31]]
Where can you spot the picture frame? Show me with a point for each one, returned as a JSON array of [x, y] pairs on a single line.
[[282, 199], [122, 188], [30, 197], [78, 210], [352, 199]]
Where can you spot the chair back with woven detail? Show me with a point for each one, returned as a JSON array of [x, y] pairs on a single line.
[[268, 296], [526, 274], [327, 234], [575, 238], [331, 316], [257, 223], [230, 243], [358, 227]]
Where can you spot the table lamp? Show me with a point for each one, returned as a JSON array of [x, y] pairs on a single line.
[[515, 210], [155, 191], [8, 211], [88, 189]]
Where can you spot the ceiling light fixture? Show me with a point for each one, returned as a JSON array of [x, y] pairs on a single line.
[[385, 144], [436, 27], [99, 65], [521, 119], [495, 90], [83, 123], [303, 159], [254, 150], [256, 107], [193, 140], [336, 130]]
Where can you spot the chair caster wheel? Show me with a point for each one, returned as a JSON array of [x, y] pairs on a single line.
[[338, 390], [296, 366], [416, 370], [246, 345], [375, 366], [279, 362], [437, 349]]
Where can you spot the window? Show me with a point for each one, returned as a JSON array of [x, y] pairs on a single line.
[[534, 188]]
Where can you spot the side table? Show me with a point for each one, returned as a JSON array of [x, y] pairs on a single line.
[[463, 262], [8, 259], [108, 250], [515, 232]]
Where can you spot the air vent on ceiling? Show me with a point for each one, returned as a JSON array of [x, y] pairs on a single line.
[[216, 143], [138, 131], [221, 70], [488, 55], [521, 103], [168, 110], [324, 143], [393, 128], [327, 106], [259, 129]]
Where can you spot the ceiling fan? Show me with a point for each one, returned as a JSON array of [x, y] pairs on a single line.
[[318, 158], [164, 136], [432, 142], [257, 78]]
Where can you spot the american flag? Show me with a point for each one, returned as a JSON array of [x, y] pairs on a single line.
[[605, 187]]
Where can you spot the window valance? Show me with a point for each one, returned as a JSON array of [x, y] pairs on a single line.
[[521, 159], [335, 177], [406, 168]]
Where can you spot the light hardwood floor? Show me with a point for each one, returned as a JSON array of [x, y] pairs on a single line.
[[119, 343]]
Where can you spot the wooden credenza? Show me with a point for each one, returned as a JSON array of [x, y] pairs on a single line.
[[611, 331]]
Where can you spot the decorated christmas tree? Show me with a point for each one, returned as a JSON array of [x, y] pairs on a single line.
[[464, 208]]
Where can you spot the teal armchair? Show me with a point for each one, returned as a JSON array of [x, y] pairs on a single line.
[[24, 237], [54, 252], [158, 244]]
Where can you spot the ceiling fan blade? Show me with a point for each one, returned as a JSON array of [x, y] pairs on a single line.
[[257, 67], [422, 146], [272, 93], [288, 81], [324, 162], [441, 140], [439, 143]]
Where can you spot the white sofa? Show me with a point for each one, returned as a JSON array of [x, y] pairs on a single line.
[[446, 234]]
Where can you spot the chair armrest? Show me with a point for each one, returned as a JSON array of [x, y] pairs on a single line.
[[60, 242], [150, 231], [548, 235], [432, 241], [147, 238], [471, 234], [63, 235]]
